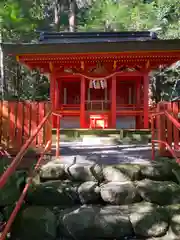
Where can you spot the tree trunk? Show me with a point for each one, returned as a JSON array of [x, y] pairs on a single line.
[[1, 68], [72, 15], [57, 15]]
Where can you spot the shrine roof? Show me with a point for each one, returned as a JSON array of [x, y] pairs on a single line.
[[93, 42], [91, 37]]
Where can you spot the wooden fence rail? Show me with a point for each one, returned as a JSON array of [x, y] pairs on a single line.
[[166, 130], [19, 119]]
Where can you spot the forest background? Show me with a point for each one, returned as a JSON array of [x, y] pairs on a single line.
[[20, 21]]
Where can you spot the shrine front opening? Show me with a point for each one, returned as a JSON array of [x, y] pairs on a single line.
[[100, 95]]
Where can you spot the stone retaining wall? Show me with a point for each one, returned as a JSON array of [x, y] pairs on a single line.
[[94, 202]]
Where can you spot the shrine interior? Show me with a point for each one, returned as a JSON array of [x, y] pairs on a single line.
[[98, 99]]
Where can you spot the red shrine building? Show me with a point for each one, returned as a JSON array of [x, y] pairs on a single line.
[[98, 80]]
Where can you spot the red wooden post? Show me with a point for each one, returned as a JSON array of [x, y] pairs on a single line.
[[52, 89], [41, 115], [58, 137], [48, 125], [113, 102], [146, 100], [169, 127], [12, 125], [5, 124], [175, 131], [34, 124], [59, 83], [138, 102], [161, 129], [56, 95], [52, 96], [152, 138], [82, 103]]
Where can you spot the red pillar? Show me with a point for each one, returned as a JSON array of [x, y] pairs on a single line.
[[138, 102], [58, 136], [53, 96], [113, 102], [57, 95], [146, 100], [138, 94], [52, 89], [82, 104]]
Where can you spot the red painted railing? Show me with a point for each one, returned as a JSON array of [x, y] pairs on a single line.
[[23, 195], [12, 168], [69, 107], [18, 121], [166, 121], [132, 107], [58, 118], [16, 161], [101, 105]]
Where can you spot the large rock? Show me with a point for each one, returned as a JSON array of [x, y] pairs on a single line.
[[174, 212], [149, 220], [10, 193], [35, 223], [1, 221], [89, 192], [131, 171], [93, 222], [169, 236], [6, 211], [112, 174], [1, 217], [162, 193], [82, 173], [53, 171], [118, 193], [157, 171], [57, 192]]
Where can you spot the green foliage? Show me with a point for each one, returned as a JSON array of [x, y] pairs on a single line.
[[20, 18], [162, 16], [134, 15], [16, 20]]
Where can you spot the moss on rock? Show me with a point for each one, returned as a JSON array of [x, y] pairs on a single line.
[[52, 171], [157, 171], [89, 192], [50, 193], [131, 171], [118, 193], [93, 222], [1, 219], [35, 223], [83, 173], [12, 189], [149, 220], [162, 193], [174, 213], [112, 174]]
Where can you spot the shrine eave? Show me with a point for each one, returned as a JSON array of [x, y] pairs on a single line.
[[92, 47]]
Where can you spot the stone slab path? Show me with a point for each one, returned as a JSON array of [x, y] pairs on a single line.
[[105, 154]]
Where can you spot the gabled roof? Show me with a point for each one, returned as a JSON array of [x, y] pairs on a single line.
[[94, 42], [92, 37]]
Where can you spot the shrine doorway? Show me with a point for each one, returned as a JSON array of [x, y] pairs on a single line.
[[97, 95], [98, 121]]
